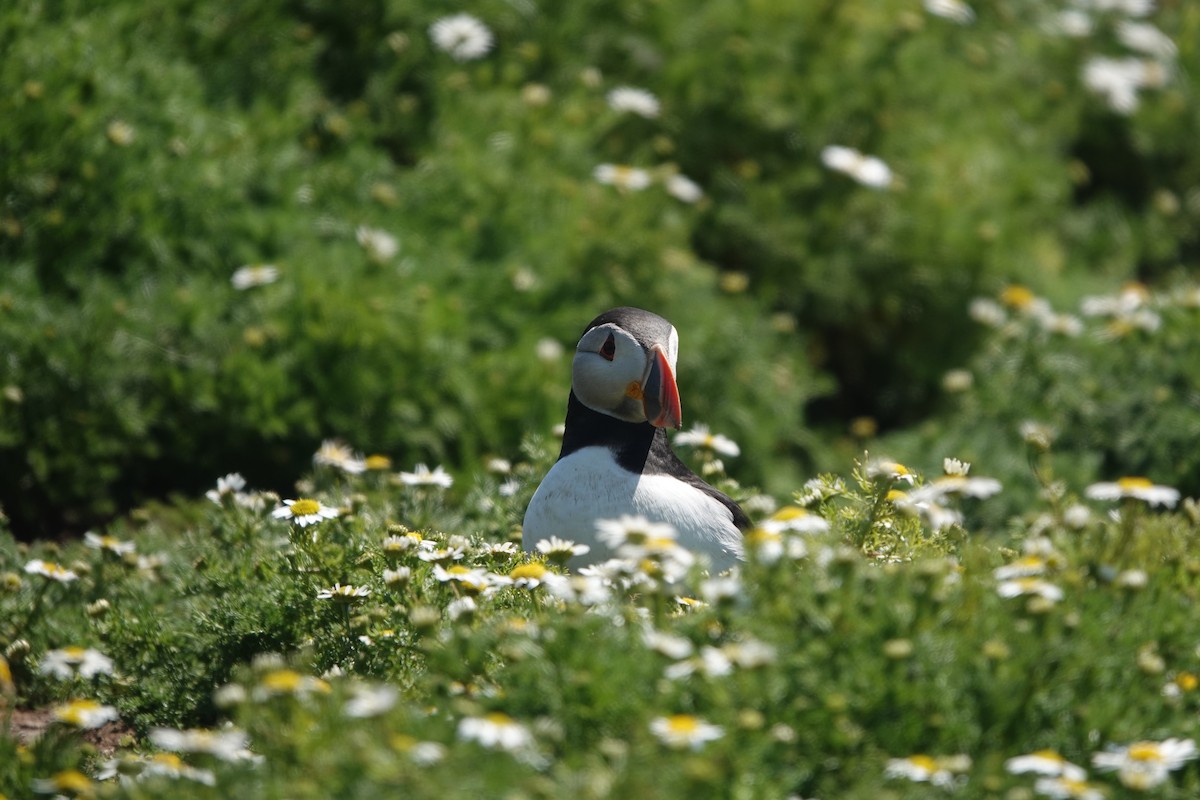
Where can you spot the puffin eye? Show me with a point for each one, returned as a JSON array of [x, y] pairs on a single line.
[[609, 348]]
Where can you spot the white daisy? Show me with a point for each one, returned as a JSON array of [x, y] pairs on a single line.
[[252, 275], [1145, 38], [700, 436], [380, 245], [345, 594], [561, 550], [48, 569], [109, 543], [953, 10], [1045, 762], [495, 730], [1144, 765], [867, 170], [86, 714], [228, 745], [304, 511], [1030, 586], [1068, 788], [685, 731], [68, 662], [370, 701], [337, 454], [633, 100], [634, 530], [926, 769], [229, 486], [1136, 488], [463, 36], [683, 188], [423, 476], [622, 176], [1118, 80]]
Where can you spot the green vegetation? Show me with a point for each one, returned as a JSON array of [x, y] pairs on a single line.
[[885, 229]]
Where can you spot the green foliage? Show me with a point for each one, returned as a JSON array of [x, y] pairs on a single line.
[[1103, 394], [356, 657]]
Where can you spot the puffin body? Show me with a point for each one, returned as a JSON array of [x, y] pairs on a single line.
[[615, 457]]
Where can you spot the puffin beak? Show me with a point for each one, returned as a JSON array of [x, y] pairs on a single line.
[[660, 395]]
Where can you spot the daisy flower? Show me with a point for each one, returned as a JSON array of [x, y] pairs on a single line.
[[892, 470], [1135, 488], [1045, 762], [304, 512], [947, 485], [229, 486], [109, 543], [1030, 586], [68, 783], [685, 731], [560, 551], [495, 730], [867, 170], [333, 453], [622, 176], [228, 745], [380, 245], [462, 36], [1068, 788], [370, 701], [68, 662], [1146, 764], [252, 275], [953, 10], [86, 714], [668, 644], [700, 436], [632, 530], [926, 769], [633, 100], [48, 569], [794, 518], [1145, 38], [533, 575], [344, 594], [169, 765], [284, 681], [423, 476], [683, 188]]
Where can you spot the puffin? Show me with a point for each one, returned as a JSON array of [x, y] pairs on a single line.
[[616, 459]]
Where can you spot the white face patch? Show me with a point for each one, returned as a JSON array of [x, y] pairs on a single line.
[[601, 383]]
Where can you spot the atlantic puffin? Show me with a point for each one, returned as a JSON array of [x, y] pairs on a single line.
[[616, 459]]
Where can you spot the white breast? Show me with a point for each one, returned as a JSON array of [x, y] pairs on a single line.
[[589, 485]]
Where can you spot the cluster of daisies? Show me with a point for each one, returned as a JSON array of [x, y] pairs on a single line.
[[1134, 308], [1139, 765]]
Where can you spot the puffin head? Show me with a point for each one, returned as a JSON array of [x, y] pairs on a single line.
[[624, 367]]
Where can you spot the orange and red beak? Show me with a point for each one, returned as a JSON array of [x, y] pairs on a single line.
[[660, 395]]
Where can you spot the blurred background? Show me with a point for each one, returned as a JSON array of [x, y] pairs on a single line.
[[229, 231]]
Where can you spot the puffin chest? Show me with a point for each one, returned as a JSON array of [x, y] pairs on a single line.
[[589, 485]]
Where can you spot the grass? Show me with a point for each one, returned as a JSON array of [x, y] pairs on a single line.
[[406, 645]]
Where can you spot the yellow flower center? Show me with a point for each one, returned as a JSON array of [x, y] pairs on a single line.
[[683, 723], [894, 495], [459, 569], [499, 718], [378, 462], [168, 760], [923, 762], [532, 571], [72, 780], [1128, 484], [1187, 681], [1050, 755], [1145, 751], [304, 507], [788, 513], [282, 680], [1017, 296], [73, 653]]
